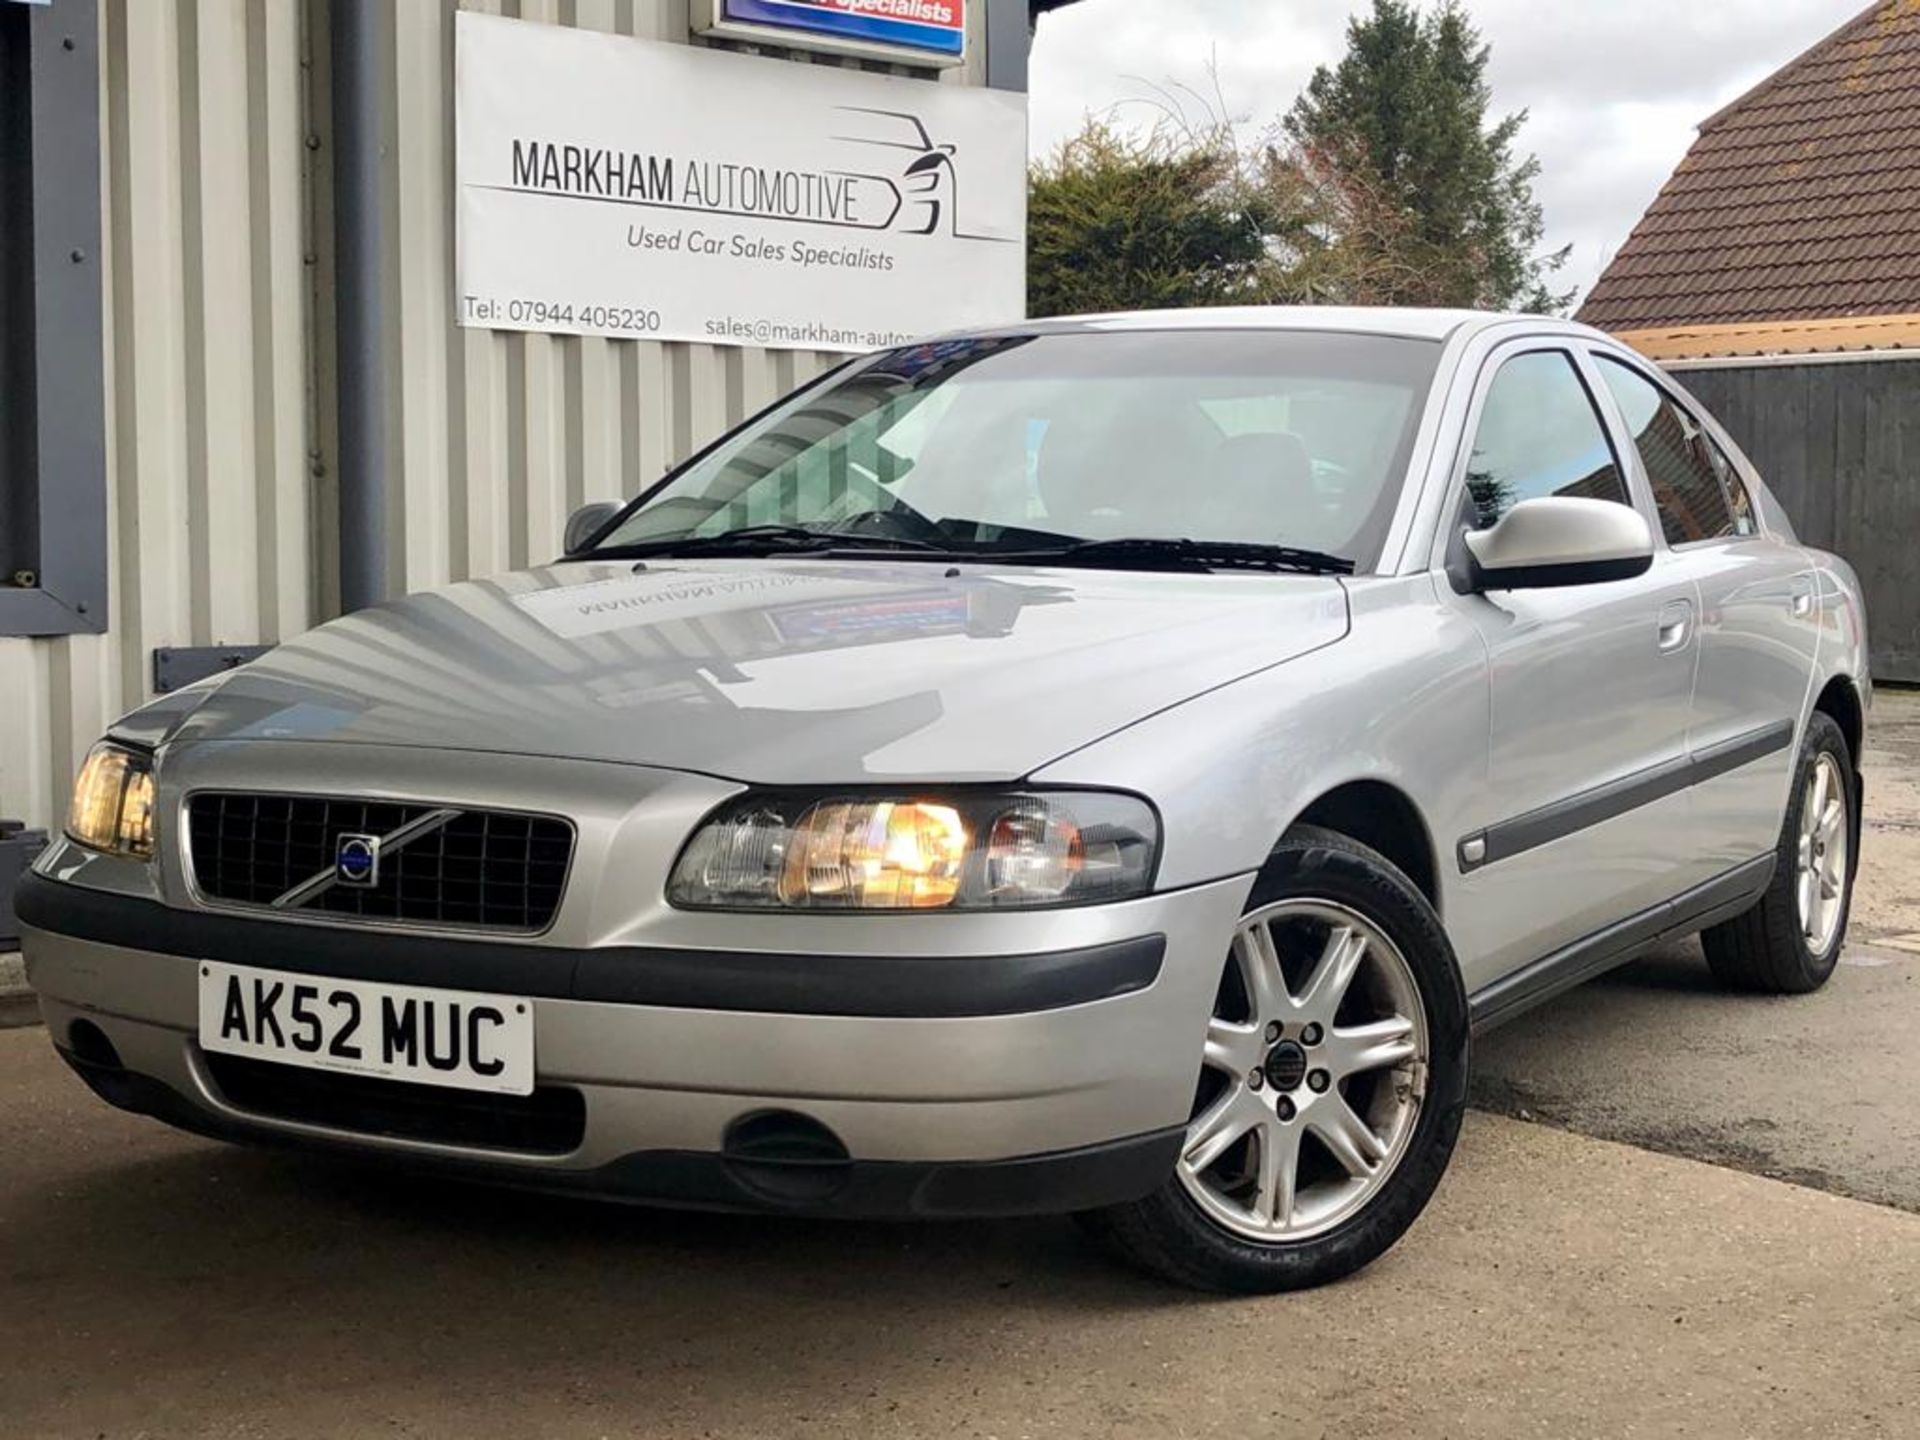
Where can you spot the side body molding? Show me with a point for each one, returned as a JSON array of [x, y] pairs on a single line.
[[1590, 807]]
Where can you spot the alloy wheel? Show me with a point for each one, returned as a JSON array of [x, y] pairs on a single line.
[[1825, 841], [1314, 1073]]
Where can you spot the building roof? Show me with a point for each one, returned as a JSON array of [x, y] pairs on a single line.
[[1777, 337], [1799, 200]]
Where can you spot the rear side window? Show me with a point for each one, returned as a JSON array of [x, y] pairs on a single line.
[[1738, 499], [1699, 494], [1539, 435]]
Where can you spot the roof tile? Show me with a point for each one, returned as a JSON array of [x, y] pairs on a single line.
[[1799, 200]]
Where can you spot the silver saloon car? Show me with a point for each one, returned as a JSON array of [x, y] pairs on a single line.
[[1108, 765]]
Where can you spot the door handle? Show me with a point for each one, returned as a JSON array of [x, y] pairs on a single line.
[[1801, 601], [1676, 625]]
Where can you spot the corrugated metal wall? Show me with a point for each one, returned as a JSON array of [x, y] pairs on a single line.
[[208, 406], [217, 255]]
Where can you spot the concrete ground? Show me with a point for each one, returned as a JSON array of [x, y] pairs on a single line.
[[159, 1285], [1561, 1285], [16, 1000]]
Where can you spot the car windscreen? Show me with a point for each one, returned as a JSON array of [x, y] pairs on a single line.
[[1287, 437]]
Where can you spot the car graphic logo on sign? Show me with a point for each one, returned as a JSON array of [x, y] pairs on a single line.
[[356, 860]]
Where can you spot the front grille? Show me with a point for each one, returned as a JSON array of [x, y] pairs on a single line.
[[491, 869], [550, 1121]]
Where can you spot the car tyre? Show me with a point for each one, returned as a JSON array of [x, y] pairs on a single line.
[[1788, 943], [1237, 1223]]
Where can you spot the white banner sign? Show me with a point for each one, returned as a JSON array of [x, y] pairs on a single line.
[[611, 186]]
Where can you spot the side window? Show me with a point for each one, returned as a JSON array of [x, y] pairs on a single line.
[[1738, 499], [1539, 435], [1699, 494]]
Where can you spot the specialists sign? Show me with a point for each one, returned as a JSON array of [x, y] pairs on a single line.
[[912, 32], [622, 187]]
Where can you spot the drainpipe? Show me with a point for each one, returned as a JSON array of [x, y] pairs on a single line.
[[359, 299], [1009, 34]]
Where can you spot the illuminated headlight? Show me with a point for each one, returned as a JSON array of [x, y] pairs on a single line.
[[112, 806], [925, 852]]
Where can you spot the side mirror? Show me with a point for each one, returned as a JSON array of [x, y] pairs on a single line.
[[1559, 540], [587, 522]]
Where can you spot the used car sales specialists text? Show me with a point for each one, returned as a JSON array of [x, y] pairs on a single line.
[[743, 247]]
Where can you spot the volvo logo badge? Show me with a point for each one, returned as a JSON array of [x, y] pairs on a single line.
[[356, 860], [1286, 1066]]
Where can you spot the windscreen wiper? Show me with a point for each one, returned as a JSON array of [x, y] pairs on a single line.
[[1148, 552], [757, 540]]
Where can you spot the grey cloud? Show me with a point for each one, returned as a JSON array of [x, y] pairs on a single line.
[[1637, 50]]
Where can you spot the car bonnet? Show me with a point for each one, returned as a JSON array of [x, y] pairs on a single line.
[[796, 671]]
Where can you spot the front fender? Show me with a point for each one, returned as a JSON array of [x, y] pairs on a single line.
[[1402, 699]]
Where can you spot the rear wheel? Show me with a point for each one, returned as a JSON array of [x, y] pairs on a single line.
[[1788, 942], [1332, 1082]]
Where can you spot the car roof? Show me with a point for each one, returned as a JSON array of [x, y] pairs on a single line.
[[1413, 322]]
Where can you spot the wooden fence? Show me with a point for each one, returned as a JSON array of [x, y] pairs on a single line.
[[1838, 440]]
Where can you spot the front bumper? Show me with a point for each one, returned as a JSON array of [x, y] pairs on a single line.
[[1053, 1072]]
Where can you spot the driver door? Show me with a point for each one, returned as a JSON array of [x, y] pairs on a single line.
[[1586, 820]]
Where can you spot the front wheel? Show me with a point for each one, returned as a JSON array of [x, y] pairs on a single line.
[[1332, 1083]]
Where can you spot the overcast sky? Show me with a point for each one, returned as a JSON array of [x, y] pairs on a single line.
[[1614, 87]]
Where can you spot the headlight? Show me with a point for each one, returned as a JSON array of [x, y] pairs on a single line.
[[948, 852], [112, 806]]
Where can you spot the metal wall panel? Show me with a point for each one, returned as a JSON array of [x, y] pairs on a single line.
[[216, 192], [495, 437], [1839, 444], [207, 400]]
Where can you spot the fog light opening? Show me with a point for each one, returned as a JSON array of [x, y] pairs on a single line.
[[785, 1157], [89, 1044]]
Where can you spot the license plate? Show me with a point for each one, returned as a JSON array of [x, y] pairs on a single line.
[[456, 1038]]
